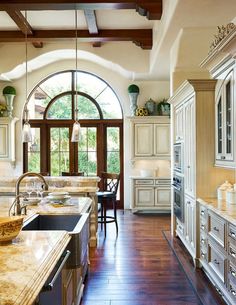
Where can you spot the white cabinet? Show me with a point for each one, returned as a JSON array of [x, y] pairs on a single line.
[[150, 194], [178, 123], [190, 223], [189, 146], [7, 139], [151, 137]]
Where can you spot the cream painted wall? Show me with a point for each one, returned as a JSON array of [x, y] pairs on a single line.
[[189, 49], [155, 90]]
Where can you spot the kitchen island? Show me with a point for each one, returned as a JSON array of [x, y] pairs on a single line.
[[27, 262]]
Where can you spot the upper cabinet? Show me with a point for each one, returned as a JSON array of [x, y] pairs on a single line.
[[221, 62], [151, 137], [7, 139], [225, 129]]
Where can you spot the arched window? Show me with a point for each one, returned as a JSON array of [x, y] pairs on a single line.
[[51, 110]]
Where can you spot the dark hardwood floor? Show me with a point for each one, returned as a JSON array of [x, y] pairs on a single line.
[[139, 267]]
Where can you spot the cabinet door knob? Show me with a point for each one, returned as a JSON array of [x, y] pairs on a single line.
[[232, 272], [232, 234], [202, 213], [222, 157], [216, 229], [231, 252], [216, 262]]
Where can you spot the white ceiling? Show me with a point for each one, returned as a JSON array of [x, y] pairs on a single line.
[[177, 14]]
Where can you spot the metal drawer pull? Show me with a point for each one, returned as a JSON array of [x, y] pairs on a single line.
[[202, 227], [216, 262], [219, 291], [222, 157], [232, 234], [203, 241], [50, 285], [231, 252], [233, 273], [232, 291], [216, 229], [202, 213], [202, 255]]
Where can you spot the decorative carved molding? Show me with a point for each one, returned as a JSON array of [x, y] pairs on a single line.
[[223, 31]]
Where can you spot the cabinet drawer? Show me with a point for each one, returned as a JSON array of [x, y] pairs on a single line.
[[203, 240], [144, 182], [217, 261], [217, 229], [232, 252], [179, 227], [232, 290], [232, 233], [203, 225], [232, 272], [162, 182], [203, 254], [203, 212]]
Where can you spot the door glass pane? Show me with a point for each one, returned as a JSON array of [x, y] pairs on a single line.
[[34, 151], [113, 150], [219, 126], [228, 119], [87, 151], [59, 150]]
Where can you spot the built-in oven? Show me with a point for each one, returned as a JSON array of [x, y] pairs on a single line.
[[178, 157], [178, 195]]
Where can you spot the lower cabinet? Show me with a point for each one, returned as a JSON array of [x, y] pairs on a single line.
[[151, 194], [217, 252], [187, 230]]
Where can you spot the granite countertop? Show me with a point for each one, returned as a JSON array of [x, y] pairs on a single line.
[[220, 207], [26, 263], [151, 177]]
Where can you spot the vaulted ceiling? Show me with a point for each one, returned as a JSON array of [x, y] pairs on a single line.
[[99, 22]]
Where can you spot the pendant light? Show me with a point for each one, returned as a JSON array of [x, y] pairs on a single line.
[[76, 126], [26, 130]]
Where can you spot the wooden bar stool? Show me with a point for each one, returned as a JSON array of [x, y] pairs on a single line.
[[110, 183]]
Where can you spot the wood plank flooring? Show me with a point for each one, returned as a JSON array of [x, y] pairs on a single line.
[[138, 267]]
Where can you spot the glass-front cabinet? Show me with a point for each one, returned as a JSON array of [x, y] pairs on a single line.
[[225, 155]]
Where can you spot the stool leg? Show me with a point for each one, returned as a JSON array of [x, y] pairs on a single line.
[[115, 215], [102, 215], [105, 219]]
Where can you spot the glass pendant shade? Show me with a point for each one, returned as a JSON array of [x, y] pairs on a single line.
[[75, 132], [26, 133]]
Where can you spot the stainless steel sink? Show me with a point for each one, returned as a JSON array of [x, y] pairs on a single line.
[[76, 225]]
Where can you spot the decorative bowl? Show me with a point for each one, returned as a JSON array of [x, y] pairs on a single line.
[[9, 228]]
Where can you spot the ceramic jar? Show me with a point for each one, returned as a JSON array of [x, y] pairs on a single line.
[[231, 196], [222, 189]]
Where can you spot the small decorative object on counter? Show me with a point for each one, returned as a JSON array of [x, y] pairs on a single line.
[[133, 91], [141, 111], [231, 196], [222, 189], [163, 107], [9, 93], [151, 107]]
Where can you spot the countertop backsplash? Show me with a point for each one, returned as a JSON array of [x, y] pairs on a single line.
[[151, 168]]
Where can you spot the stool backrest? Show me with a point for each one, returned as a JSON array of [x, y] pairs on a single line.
[[110, 182], [72, 173]]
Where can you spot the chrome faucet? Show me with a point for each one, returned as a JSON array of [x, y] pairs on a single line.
[[17, 200]]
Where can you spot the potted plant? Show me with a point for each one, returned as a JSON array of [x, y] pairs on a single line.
[[133, 91], [9, 93]]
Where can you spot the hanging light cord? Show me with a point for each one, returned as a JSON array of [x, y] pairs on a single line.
[[26, 69], [76, 65]]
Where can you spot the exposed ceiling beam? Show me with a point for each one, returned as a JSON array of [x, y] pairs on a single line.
[[150, 8], [91, 21], [23, 25], [141, 37], [20, 21]]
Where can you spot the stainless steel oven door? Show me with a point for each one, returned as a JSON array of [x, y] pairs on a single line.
[[178, 202]]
